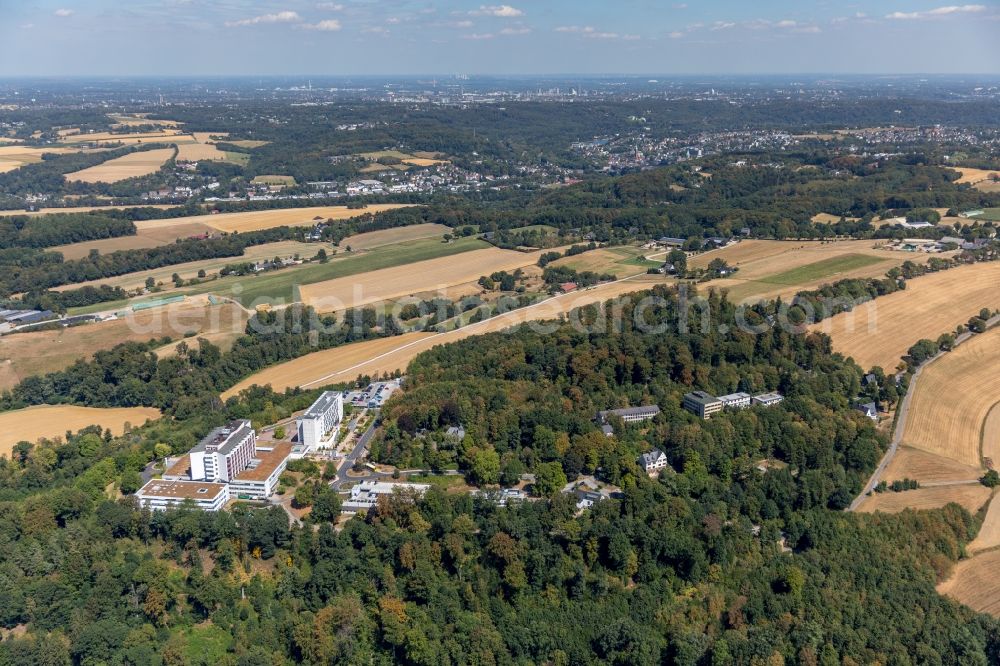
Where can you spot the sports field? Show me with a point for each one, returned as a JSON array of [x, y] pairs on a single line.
[[273, 180], [953, 397], [39, 352], [33, 423], [372, 239], [881, 331], [268, 219], [128, 166], [412, 278], [373, 357]]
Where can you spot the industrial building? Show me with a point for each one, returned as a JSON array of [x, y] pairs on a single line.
[[318, 427]]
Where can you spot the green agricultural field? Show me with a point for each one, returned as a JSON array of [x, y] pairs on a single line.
[[280, 286], [989, 214], [821, 269]]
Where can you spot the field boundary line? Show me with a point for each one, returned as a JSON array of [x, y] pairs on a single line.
[[901, 413], [463, 328]]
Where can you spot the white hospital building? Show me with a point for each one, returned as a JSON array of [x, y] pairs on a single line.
[[318, 426]]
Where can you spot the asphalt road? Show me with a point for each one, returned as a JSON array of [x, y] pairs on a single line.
[[359, 450], [904, 408]]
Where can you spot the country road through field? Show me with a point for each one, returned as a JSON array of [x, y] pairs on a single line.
[[904, 408]]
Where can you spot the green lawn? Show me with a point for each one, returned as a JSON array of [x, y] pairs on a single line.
[[207, 644], [989, 214], [821, 269], [280, 286]]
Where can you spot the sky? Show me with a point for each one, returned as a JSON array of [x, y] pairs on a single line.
[[359, 37]]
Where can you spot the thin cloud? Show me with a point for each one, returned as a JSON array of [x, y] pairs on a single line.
[[500, 11], [329, 25], [478, 37], [263, 19], [330, 6], [937, 12], [515, 31], [63, 12]]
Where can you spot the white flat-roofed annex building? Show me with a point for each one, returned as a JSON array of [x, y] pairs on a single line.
[[224, 453], [768, 399], [365, 495], [631, 414], [160, 494], [735, 400], [260, 479], [318, 427]]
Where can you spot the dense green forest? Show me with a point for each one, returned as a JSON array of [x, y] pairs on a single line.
[[713, 563]]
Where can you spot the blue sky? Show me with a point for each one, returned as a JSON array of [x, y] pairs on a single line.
[[353, 37]]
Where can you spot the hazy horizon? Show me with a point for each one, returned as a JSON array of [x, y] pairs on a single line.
[[175, 38]]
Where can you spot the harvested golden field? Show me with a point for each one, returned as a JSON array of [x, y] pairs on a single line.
[[989, 532], [618, 261], [164, 136], [423, 161], [881, 331], [79, 209], [991, 436], [340, 359], [769, 269], [248, 143], [196, 152], [389, 354], [33, 423], [144, 238], [15, 156], [408, 279], [128, 166], [927, 468], [370, 239], [39, 352], [140, 119], [973, 175], [953, 397], [268, 219], [282, 249], [971, 496], [827, 218], [975, 583]]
